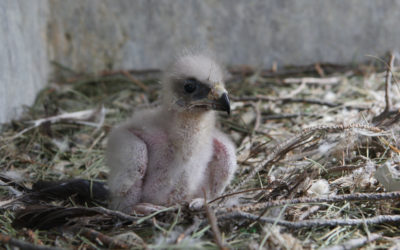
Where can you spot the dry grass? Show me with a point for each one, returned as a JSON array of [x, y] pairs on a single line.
[[270, 124]]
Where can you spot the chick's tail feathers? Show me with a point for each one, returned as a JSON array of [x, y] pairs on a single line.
[[81, 190]]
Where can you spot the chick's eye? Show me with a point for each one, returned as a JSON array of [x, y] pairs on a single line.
[[190, 86]]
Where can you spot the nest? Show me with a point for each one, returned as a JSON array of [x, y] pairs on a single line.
[[317, 147]]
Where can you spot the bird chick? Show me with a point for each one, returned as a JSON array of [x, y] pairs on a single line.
[[170, 154]]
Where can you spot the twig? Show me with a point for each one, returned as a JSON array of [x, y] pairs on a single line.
[[388, 84], [12, 190], [131, 71], [328, 198], [355, 243], [256, 107], [189, 230], [387, 112], [283, 100], [313, 80], [312, 223], [96, 236], [293, 100], [7, 240], [286, 116], [239, 192], [213, 223], [135, 81], [279, 152], [296, 91], [343, 168], [115, 213], [309, 212], [298, 140], [79, 116]]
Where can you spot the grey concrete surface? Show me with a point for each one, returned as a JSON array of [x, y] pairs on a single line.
[[93, 35], [23, 56]]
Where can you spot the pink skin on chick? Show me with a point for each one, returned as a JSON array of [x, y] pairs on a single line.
[[169, 154]]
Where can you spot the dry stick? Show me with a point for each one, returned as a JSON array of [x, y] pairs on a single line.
[[388, 84], [355, 243], [272, 157], [7, 240], [284, 100], [291, 100], [115, 213], [135, 81], [213, 223], [286, 116], [313, 80], [96, 236], [312, 223], [77, 117], [256, 107], [292, 143], [328, 198], [239, 192]]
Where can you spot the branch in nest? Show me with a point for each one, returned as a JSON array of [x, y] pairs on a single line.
[[213, 223], [329, 198], [313, 223], [387, 112], [355, 243], [298, 140], [7, 240], [292, 100], [96, 236], [79, 117], [313, 80], [284, 100], [388, 84]]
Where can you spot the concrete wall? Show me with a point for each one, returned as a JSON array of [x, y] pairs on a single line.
[[96, 34], [92, 35], [23, 57]]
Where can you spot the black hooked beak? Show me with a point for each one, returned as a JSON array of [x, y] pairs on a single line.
[[223, 103]]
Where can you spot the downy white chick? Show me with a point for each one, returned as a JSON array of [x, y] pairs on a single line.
[[169, 154]]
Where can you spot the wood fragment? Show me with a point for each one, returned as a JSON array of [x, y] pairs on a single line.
[[313, 80], [321, 199], [8, 240], [388, 84], [212, 219], [380, 219], [79, 117], [284, 100], [355, 243], [293, 100], [135, 81], [96, 236]]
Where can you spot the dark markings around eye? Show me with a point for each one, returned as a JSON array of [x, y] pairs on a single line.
[[195, 88]]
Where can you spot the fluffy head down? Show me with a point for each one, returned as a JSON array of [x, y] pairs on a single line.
[[193, 82]]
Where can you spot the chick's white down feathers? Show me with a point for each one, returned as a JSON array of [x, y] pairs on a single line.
[[169, 154]]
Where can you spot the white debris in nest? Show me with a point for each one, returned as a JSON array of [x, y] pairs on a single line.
[[279, 240], [319, 188], [62, 144], [176, 235], [325, 147], [389, 176], [14, 175], [364, 177], [232, 202], [248, 117], [330, 96]]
